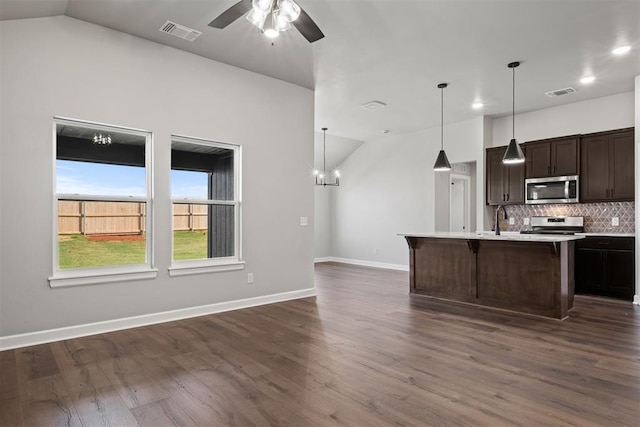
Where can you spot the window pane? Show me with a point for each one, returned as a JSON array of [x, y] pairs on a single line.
[[209, 165], [189, 185], [97, 234], [203, 231], [99, 179]]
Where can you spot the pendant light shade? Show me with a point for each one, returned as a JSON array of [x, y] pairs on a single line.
[[442, 163], [514, 153]]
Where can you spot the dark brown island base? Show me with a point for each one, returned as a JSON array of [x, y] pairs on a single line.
[[530, 274]]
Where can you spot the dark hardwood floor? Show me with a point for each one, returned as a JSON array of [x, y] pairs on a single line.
[[363, 353]]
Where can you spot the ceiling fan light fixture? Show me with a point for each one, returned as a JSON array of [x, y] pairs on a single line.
[[262, 6], [280, 23], [288, 10], [257, 18]]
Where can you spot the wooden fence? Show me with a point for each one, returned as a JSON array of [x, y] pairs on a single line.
[[91, 217]]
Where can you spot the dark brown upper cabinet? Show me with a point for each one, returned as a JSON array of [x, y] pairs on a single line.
[[552, 157], [607, 166], [505, 183]]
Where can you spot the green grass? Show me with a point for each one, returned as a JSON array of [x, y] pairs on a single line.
[[189, 245], [77, 251]]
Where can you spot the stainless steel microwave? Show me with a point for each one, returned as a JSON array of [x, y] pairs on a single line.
[[556, 189]]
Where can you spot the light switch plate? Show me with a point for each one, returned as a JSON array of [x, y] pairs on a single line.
[[615, 221], [304, 221], [512, 221]]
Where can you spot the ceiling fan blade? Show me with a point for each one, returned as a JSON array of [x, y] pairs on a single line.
[[231, 14], [307, 27]]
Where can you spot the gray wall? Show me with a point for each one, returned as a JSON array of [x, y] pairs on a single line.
[[388, 187], [63, 67], [322, 221]]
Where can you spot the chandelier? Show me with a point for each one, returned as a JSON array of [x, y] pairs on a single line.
[[321, 176], [100, 139], [273, 16]]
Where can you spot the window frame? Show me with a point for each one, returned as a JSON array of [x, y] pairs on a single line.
[[113, 273], [211, 265]]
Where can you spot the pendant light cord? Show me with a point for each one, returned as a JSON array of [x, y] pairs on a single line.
[[324, 151], [513, 106], [442, 118]]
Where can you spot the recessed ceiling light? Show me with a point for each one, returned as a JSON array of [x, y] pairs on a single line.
[[477, 105], [587, 79], [621, 50]]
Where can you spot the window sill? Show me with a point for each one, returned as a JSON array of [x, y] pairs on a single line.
[[80, 278], [186, 268]]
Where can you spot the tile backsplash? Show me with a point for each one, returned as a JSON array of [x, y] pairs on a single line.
[[597, 216]]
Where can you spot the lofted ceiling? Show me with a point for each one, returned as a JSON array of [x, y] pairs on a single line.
[[397, 51]]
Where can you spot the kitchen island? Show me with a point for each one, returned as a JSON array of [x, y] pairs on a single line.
[[530, 274]]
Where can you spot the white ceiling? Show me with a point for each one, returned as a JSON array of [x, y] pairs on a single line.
[[397, 51]]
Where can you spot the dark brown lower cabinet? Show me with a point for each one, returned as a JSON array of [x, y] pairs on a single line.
[[605, 266]]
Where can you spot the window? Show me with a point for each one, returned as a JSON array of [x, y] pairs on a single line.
[[206, 206], [102, 203]]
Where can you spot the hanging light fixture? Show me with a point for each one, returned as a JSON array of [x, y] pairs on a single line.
[[100, 139], [321, 176], [514, 153], [273, 16], [442, 163]]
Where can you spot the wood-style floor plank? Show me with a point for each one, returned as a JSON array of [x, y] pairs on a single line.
[[364, 352]]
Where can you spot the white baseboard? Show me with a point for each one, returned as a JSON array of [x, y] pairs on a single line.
[[364, 263], [51, 335], [636, 299]]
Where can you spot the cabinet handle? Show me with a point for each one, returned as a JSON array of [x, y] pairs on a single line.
[[507, 197]]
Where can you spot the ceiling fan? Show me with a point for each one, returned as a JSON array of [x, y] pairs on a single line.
[[271, 17]]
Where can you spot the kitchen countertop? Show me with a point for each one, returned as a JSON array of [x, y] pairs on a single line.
[[610, 234], [506, 236]]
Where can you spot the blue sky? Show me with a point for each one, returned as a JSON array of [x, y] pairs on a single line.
[[94, 179]]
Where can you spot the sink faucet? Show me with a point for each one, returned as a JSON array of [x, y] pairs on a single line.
[[497, 216]]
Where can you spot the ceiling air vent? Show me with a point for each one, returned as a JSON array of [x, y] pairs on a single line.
[[180, 31], [373, 105], [560, 92]]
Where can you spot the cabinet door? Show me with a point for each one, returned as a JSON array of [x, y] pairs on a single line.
[[514, 180], [594, 168], [564, 157], [495, 171], [538, 160], [621, 170], [590, 273], [620, 274]]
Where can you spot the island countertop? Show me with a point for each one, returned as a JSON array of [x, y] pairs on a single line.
[[506, 236]]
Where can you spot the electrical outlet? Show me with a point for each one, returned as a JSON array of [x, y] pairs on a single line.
[[512, 221], [304, 221], [526, 221], [615, 221], [249, 277]]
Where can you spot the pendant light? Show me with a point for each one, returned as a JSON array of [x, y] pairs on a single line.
[[514, 153], [442, 163], [321, 176]]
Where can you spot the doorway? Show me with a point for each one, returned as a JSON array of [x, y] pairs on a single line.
[[460, 203]]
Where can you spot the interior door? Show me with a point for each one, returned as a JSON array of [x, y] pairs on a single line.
[[459, 205]]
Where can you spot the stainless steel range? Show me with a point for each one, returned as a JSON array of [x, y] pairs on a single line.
[[556, 225]]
